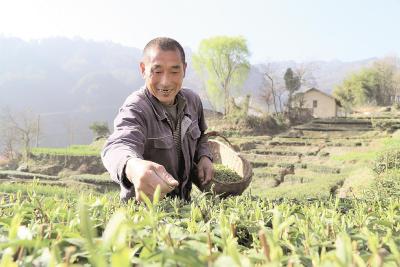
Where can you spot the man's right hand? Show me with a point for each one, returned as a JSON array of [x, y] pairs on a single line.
[[147, 175]]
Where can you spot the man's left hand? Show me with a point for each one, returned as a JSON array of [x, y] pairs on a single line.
[[205, 170]]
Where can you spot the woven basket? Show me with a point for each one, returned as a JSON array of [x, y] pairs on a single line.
[[225, 155]]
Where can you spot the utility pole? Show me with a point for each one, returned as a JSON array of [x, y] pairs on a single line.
[[37, 130]]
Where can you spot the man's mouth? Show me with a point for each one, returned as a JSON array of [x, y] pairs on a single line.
[[165, 91]]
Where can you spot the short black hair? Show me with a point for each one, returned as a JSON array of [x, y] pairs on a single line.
[[165, 44]]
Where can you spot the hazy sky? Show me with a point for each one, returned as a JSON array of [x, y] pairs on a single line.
[[275, 29]]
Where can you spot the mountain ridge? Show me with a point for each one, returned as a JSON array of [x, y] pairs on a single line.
[[89, 80]]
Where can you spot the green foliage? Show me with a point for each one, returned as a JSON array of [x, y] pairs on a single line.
[[388, 160], [385, 144], [396, 106], [26, 175], [225, 175], [372, 85], [357, 89], [323, 168], [260, 124], [292, 83], [215, 94], [74, 150], [223, 63], [387, 184], [99, 129], [239, 231]]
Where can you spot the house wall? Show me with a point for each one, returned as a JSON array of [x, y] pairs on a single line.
[[326, 106]]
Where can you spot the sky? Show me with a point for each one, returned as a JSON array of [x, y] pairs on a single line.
[[300, 30]]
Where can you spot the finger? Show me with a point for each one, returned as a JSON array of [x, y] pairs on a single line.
[[139, 196], [155, 180], [200, 173], [209, 173], [166, 177]]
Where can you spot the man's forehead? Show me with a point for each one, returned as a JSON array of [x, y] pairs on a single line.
[[172, 66], [157, 56]]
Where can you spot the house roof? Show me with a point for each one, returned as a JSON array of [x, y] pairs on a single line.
[[319, 91]]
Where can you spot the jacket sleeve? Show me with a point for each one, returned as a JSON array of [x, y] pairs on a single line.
[[203, 149], [126, 141]]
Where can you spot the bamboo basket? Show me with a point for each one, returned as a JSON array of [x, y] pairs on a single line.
[[225, 155]]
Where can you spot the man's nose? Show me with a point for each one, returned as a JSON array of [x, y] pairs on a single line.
[[164, 80]]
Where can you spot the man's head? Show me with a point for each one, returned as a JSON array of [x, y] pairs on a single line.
[[163, 67]]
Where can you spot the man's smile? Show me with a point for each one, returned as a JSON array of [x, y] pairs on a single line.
[[165, 91]]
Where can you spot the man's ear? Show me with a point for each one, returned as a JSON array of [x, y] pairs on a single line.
[[184, 69], [142, 69]]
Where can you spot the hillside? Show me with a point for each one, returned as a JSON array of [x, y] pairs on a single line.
[[74, 82], [294, 213], [318, 159]]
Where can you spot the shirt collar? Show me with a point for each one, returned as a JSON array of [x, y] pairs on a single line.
[[158, 107]]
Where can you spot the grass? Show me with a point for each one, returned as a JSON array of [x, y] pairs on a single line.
[[358, 179], [74, 150], [39, 189], [26, 175], [319, 187], [93, 149], [101, 180], [368, 154]]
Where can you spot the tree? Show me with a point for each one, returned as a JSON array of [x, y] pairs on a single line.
[[305, 73], [18, 131], [357, 89], [385, 71], [223, 62], [268, 87], [8, 142], [292, 83], [99, 129], [267, 94], [377, 85]]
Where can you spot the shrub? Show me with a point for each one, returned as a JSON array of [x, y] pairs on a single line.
[[261, 124], [388, 160], [396, 106]]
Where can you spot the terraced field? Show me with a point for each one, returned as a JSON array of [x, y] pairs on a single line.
[[317, 159], [318, 153], [74, 219]]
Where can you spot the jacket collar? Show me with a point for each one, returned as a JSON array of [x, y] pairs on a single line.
[[159, 109]]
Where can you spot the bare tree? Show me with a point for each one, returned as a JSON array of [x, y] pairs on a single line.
[[274, 84], [268, 88], [305, 72], [280, 93], [20, 129], [8, 142], [267, 95]]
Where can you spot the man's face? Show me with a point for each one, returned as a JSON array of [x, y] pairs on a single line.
[[163, 72]]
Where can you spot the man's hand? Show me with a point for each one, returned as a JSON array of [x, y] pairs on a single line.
[[146, 175], [205, 170]]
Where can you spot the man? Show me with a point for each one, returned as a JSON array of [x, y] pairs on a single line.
[[158, 137]]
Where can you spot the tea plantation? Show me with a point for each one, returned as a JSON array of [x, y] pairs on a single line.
[[324, 194]]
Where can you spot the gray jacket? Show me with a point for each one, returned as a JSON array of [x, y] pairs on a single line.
[[141, 130]]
